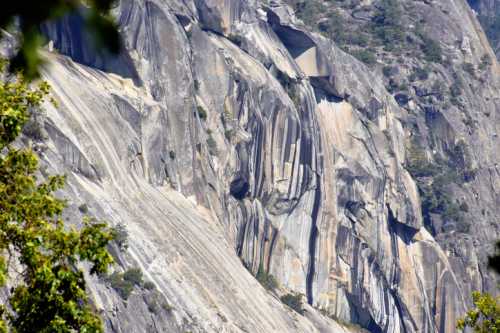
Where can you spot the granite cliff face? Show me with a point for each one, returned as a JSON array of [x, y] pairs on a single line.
[[234, 138], [488, 13]]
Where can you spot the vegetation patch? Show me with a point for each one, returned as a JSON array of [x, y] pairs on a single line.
[[133, 275], [123, 283], [386, 25], [83, 208], [484, 317], [120, 234], [431, 48], [433, 180], [365, 55], [148, 285], [202, 113], [212, 145], [122, 287], [294, 301], [266, 280]]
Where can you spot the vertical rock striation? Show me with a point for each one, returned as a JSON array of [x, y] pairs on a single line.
[[229, 135]]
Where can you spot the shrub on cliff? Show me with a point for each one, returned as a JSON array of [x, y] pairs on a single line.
[[386, 24], [294, 301], [48, 294], [123, 283], [365, 55], [266, 280], [431, 48]]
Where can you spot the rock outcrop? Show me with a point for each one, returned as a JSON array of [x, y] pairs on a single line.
[[230, 138]]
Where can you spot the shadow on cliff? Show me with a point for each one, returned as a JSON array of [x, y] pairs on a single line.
[[72, 39]]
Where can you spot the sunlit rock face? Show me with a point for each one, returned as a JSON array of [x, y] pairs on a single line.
[[229, 137]]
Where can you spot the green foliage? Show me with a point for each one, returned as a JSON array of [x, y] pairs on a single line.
[[133, 275], [437, 201], [83, 208], [49, 294], [294, 301], [307, 11], [148, 285], [212, 145], [122, 287], [485, 317], [167, 307], [330, 23], [153, 306], [334, 27], [17, 98], [201, 112], [365, 55], [431, 48], [32, 13], [386, 24], [389, 13], [155, 302], [123, 283], [418, 165], [434, 178], [266, 280], [120, 236]]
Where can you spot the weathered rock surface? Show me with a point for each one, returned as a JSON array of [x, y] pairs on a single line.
[[228, 130], [488, 13]]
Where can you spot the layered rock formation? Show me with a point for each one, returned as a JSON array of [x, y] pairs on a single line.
[[230, 137]]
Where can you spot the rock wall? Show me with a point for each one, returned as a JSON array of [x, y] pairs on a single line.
[[488, 13], [230, 138]]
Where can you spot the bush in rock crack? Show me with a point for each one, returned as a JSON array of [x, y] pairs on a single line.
[[294, 301], [122, 287], [123, 283], [266, 280], [120, 234], [133, 275]]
